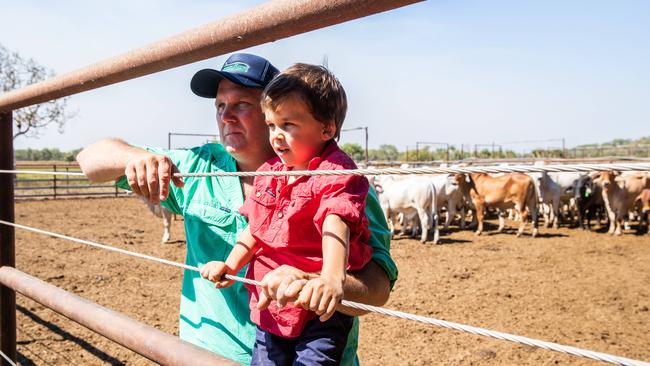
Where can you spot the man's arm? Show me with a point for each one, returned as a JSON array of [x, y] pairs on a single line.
[[148, 174], [369, 286], [106, 159]]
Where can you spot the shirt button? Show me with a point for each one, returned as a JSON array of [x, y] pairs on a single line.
[[257, 194], [280, 215]]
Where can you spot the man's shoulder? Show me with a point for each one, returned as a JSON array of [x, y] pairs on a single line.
[[208, 156]]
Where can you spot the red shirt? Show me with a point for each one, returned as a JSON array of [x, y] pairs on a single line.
[[286, 220]]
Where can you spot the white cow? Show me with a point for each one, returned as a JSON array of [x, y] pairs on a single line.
[[568, 182], [415, 195], [163, 213], [449, 195], [549, 194]]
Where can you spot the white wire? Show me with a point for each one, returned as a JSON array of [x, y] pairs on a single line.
[[432, 170], [399, 314], [7, 358], [404, 171]]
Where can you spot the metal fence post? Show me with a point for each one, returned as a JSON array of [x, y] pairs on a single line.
[[7, 238], [54, 180]]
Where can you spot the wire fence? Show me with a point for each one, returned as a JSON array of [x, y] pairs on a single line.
[[599, 356], [43, 180]]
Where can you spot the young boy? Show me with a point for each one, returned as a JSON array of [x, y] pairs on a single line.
[[314, 223]]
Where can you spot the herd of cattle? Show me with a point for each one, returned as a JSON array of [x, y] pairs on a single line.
[[419, 201]]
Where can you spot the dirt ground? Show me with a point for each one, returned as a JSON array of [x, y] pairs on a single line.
[[584, 289]]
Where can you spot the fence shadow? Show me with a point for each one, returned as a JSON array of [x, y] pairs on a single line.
[[69, 337]]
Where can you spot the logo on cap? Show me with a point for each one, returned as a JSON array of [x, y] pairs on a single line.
[[236, 67]]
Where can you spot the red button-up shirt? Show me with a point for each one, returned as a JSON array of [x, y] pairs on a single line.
[[286, 220]]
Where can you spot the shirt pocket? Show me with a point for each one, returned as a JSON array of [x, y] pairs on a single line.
[[261, 215], [213, 229], [213, 214], [301, 231]]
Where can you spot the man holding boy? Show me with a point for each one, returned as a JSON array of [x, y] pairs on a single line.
[[219, 319]]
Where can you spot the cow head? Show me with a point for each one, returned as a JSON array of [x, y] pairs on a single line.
[[607, 179], [584, 188]]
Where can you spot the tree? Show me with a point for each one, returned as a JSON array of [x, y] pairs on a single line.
[[384, 153], [355, 151], [17, 72]]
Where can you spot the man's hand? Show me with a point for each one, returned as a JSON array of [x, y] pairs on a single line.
[[321, 295], [282, 284], [149, 175], [215, 271]]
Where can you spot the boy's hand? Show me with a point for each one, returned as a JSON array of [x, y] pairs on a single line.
[[321, 295], [216, 271]]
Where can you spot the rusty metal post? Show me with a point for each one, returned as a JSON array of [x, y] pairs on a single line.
[[7, 238], [148, 341]]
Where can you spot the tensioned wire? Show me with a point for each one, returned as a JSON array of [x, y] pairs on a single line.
[[7, 358], [399, 314], [403, 171]]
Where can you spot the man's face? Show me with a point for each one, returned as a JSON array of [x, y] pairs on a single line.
[[241, 121]]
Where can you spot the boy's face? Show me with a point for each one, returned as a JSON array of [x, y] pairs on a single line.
[[295, 135]]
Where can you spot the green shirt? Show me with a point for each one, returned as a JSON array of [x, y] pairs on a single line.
[[219, 320]]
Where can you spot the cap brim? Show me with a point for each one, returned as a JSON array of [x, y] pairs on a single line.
[[205, 82]]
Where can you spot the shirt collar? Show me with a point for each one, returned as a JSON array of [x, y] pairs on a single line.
[[329, 148]]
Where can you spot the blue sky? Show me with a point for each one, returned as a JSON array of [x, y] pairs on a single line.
[[450, 71]]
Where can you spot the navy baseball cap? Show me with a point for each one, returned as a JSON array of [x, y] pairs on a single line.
[[241, 68]]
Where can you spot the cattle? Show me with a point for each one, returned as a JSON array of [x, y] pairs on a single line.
[[414, 195], [163, 213], [589, 201], [511, 190], [450, 195], [549, 194], [619, 194], [643, 203], [567, 181]]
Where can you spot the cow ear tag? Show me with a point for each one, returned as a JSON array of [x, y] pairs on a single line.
[[587, 194]]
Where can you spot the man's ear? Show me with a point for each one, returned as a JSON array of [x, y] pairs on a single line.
[[329, 130]]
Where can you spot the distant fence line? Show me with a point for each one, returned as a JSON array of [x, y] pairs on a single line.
[[450, 152], [42, 186]]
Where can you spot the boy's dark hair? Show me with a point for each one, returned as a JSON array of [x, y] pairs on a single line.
[[316, 86]]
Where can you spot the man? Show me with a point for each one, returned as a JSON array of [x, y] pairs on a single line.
[[219, 319]]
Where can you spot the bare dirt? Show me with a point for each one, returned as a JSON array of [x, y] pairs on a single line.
[[584, 289]]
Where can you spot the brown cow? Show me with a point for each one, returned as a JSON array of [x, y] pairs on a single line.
[[507, 191], [619, 194], [643, 200]]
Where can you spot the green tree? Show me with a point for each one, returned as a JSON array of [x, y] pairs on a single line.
[[355, 151], [384, 153], [17, 72]]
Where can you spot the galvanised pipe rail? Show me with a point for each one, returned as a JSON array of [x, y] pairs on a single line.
[[147, 341], [261, 24]]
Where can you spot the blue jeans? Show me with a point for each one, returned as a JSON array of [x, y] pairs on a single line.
[[321, 343]]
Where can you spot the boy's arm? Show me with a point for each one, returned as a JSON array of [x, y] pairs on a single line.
[[237, 259], [242, 253], [326, 291]]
